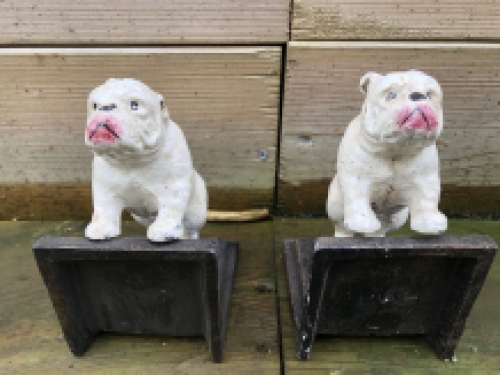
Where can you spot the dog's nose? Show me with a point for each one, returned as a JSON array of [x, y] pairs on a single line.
[[107, 107], [416, 96]]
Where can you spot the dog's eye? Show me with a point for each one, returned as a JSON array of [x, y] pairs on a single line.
[[95, 106], [391, 95], [134, 105]]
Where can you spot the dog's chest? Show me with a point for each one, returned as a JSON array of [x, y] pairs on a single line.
[[138, 198], [391, 188], [133, 189]]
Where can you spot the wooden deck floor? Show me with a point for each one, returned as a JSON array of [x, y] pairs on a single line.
[[259, 339]]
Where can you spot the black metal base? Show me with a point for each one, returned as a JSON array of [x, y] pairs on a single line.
[[386, 286], [130, 285]]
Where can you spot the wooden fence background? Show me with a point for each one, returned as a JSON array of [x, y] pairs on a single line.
[[263, 91]]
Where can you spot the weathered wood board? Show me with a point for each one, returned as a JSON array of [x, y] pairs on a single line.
[[225, 100], [322, 97], [395, 20], [132, 22]]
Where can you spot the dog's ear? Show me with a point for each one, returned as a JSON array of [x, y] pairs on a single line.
[[366, 80], [163, 108]]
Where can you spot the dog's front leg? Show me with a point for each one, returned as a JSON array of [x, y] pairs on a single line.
[[172, 203], [425, 216], [106, 218], [358, 214], [424, 192]]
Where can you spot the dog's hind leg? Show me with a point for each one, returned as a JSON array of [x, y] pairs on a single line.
[[196, 212], [191, 234], [390, 222], [342, 231], [335, 202], [398, 219]]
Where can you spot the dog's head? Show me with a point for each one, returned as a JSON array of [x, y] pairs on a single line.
[[125, 115], [401, 106]]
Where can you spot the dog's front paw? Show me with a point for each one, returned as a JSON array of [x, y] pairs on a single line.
[[362, 222], [165, 232], [429, 222], [101, 231]]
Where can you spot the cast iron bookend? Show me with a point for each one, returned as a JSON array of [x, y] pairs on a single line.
[[131, 285], [385, 286]]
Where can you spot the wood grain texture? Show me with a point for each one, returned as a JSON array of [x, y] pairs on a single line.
[[395, 20], [478, 351], [466, 202], [225, 100], [322, 97], [30, 335], [73, 201], [147, 22]]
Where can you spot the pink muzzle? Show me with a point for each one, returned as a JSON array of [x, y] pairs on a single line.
[[103, 129], [421, 117]]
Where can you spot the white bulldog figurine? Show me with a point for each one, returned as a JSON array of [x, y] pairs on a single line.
[[142, 164], [387, 164]]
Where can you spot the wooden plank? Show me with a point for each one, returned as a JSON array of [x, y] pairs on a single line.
[[478, 351], [322, 97], [30, 335], [225, 100], [395, 20], [149, 22], [73, 200]]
